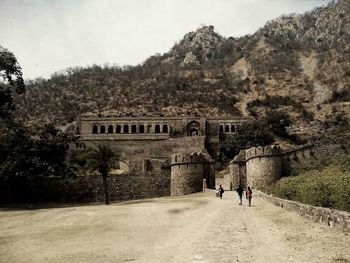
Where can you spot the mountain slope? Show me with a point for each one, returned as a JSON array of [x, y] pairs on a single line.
[[296, 63]]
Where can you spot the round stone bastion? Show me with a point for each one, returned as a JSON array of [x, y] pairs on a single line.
[[187, 173], [263, 166]]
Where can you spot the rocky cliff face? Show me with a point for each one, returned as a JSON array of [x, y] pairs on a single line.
[[198, 47], [296, 63]]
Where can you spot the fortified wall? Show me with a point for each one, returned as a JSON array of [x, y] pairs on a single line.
[[256, 167], [183, 147], [150, 139], [260, 167], [263, 165], [188, 172]]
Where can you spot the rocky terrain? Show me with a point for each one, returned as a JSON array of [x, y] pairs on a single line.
[[295, 63]]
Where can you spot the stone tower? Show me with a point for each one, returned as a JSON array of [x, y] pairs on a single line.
[[263, 166], [188, 171]]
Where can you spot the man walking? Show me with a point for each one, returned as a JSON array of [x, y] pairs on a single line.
[[240, 193], [221, 191]]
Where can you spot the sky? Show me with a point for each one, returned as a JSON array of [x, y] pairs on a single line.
[[48, 36]]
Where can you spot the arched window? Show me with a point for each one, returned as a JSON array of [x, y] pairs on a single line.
[[110, 128], [193, 128], [94, 129], [221, 129], [103, 129], [126, 128], [227, 128], [142, 128], [133, 128], [118, 129], [165, 128], [149, 128], [157, 128], [233, 129]]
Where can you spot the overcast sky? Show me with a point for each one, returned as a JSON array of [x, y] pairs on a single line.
[[51, 35]]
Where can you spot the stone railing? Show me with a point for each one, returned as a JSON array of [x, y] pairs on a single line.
[[331, 217]]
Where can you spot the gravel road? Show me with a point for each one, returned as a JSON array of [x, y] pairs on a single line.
[[195, 228]]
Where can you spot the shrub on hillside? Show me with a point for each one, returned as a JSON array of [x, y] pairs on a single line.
[[327, 187], [273, 102], [278, 121]]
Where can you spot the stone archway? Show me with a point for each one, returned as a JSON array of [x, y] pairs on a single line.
[[193, 128]]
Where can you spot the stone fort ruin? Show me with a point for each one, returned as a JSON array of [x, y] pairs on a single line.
[[183, 148], [260, 167], [172, 155], [162, 156]]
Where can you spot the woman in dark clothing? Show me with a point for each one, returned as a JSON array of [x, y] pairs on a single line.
[[240, 193], [249, 194]]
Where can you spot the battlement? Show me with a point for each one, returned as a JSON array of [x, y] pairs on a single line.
[[270, 150], [187, 158], [188, 171], [262, 166]]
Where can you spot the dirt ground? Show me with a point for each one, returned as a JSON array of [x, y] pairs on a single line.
[[196, 228]]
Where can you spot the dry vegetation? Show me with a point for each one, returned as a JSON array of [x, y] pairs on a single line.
[[298, 63], [322, 183]]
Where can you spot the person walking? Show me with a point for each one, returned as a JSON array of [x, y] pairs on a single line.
[[248, 195], [240, 193], [221, 191]]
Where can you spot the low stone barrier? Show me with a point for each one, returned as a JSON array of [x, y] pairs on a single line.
[[331, 217]]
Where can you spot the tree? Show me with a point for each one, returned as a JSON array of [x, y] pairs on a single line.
[[17, 152], [101, 159], [11, 81], [257, 133], [23, 153], [278, 122], [52, 147], [252, 134]]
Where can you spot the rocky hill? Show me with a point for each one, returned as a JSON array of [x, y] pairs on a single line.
[[296, 63]]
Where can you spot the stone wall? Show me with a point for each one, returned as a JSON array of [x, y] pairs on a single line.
[[137, 151], [175, 126], [141, 132], [320, 150], [263, 171], [188, 171], [83, 189], [331, 217], [146, 144], [261, 166], [237, 171], [296, 157]]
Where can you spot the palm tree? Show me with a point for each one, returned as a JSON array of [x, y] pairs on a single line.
[[101, 159]]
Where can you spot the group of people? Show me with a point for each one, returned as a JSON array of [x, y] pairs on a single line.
[[240, 191]]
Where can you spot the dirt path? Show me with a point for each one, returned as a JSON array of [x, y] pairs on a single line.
[[195, 228]]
